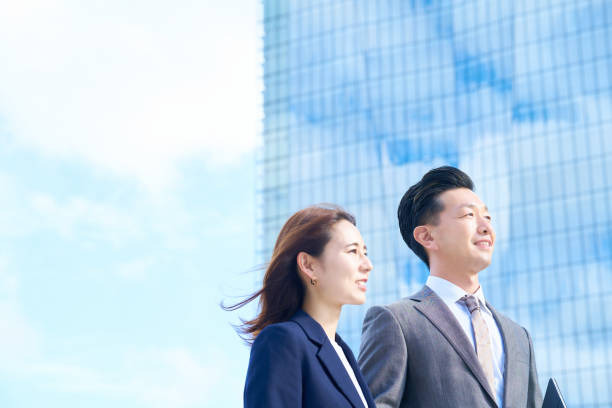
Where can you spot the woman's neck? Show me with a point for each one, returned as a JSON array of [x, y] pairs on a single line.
[[326, 315]]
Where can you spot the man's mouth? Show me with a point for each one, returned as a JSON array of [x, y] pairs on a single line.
[[484, 243]]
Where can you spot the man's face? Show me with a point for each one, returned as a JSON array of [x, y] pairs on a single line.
[[463, 236]]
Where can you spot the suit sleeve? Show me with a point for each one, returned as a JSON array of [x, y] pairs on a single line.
[[274, 376], [534, 394], [383, 357]]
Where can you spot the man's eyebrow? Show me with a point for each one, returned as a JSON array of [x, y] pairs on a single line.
[[474, 206]]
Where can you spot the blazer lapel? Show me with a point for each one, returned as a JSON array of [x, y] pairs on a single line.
[[436, 311], [330, 360], [362, 383], [511, 369], [328, 357]]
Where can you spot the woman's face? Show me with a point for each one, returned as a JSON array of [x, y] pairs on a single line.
[[343, 267]]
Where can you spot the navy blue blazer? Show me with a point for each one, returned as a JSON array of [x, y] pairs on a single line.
[[293, 364]]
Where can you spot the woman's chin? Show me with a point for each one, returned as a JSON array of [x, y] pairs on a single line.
[[359, 300]]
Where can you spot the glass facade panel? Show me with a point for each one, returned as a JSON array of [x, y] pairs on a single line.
[[363, 97]]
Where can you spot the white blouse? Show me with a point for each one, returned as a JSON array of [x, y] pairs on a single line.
[[350, 371]]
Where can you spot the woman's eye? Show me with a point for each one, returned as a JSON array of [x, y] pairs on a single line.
[[469, 215], [353, 251]]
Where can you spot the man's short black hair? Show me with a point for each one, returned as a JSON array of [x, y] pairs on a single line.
[[421, 205]]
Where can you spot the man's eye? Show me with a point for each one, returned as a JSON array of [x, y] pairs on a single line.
[[353, 251], [469, 215], [488, 217]]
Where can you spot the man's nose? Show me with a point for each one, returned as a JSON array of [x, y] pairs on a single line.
[[484, 226]]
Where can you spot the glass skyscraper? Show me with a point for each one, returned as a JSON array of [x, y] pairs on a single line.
[[363, 97]]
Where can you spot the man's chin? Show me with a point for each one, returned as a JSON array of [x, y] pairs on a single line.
[[485, 264], [481, 264]]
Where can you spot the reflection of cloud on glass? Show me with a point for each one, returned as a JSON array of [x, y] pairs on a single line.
[[473, 71], [402, 151], [516, 94]]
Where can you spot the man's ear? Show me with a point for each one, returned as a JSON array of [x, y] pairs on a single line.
[[423, 236], [305, 263]]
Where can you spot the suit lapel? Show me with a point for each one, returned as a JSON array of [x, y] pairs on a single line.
[[511, 370], [362, 383], [330, 360], [436, 311], [328, 357]]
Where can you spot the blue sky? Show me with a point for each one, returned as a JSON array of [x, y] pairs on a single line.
[[128, 135]]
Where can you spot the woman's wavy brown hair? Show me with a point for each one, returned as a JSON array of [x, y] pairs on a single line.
[[282, 292]]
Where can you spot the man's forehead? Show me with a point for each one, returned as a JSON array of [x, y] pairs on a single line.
[[462, 197]]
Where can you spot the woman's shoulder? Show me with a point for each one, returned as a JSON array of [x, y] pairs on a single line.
[[279, 343], [285, 338], [287, 331]]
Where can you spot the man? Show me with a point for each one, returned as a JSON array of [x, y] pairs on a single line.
[[446, 346]]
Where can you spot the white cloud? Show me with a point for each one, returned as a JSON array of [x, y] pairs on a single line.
[[180, 379], [88, 219], [117, 220], [154, 376], [158, 377], [19, 341], [135, 269], [132, 89]]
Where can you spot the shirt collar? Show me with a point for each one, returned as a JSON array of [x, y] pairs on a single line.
[[451, 293], [479, 294]]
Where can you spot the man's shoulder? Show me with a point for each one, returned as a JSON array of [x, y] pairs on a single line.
[[401, 308], [508, 326], [407, 303], [404, 305]]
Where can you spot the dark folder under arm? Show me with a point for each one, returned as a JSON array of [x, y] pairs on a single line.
[[553, 397]]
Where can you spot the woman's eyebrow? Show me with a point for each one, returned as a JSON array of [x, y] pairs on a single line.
[[352, 243]]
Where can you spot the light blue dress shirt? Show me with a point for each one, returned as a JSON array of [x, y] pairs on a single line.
[[450, 294]]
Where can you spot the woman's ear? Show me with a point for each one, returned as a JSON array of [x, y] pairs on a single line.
[[423, 236], [306, 266]]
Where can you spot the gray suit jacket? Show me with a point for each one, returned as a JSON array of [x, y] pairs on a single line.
[[414, 354]]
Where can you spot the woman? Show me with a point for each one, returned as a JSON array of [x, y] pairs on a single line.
[[319, 263]]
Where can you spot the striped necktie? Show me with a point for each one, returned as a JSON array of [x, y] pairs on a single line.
[[484, 349]]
